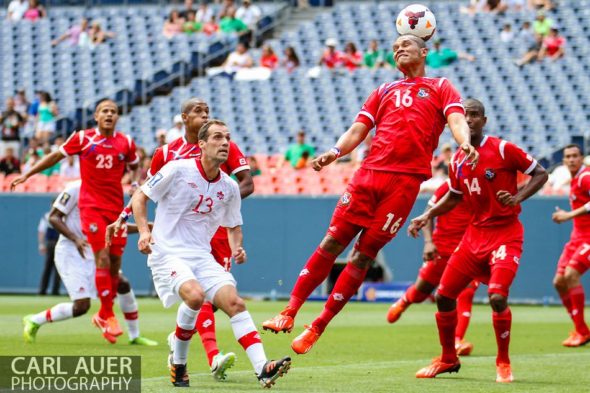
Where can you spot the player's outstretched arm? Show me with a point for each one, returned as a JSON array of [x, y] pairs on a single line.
[[560, 215], [236, 238], [446, 204], [57, 222], [139, 204], [460, 131], [539, 177], [46, 162], [347, 143]]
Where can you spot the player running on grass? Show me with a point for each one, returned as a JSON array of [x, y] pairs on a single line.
[[409, 115], [492, 245], [575, 259], [194, 198], [75, 264], [104, 156], [195, 113], [438, 247]]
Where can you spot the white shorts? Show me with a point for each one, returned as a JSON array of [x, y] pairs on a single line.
[[47, 126], [169, 272], [77, 273]]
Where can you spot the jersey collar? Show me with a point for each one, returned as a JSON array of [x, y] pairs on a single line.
[[483, 141], [204, 175]]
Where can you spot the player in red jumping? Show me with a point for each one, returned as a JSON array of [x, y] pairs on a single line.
[[438, 247], [409, 115], [195, 113], [575, 259], [104, 154], [492, 245]]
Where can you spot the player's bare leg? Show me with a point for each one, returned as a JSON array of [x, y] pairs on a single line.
[[345, 287], [315, 271], [577, 298], [128, 305], [267, 371], [416, 293], [107, 267], [59, 312]]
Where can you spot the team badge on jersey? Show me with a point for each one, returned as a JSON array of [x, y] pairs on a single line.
[[423, 93], [220, 195], [93, 227], [490, 174], [192, 185], [345, 199], [64, 198]]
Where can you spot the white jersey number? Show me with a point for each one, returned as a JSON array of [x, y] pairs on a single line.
[[104, 162], [391, 226], [473, 188], [405, 100], [500, 253]]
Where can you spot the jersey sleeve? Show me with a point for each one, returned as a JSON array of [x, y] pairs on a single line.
[[132, 156], [517, 158], [66, 201], [369, 110], [584, 183], [236, 161], [73, 145], [453, 182], [450, 99], [157, 162], [161, 182], [439, 194], [233, 215]]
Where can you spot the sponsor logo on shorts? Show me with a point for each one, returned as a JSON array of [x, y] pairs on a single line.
[[490, 174], [345, 199], [93, 227], [516, 260]]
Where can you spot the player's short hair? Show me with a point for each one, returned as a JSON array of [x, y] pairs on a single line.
[[204, 131], [189, 104], [572, 146], [100, 102], [421, 43], [477, 104]]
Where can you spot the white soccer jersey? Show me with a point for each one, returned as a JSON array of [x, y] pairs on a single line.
[[67, 203], [190, 207]]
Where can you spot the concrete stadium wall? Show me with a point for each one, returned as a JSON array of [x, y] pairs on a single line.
[[280, 234]]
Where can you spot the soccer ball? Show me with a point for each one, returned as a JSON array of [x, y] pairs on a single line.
[[418, 20]]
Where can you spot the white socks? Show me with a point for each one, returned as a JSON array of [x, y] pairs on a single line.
[[59, 312], [128, 306], [247, 335], [185, 327]]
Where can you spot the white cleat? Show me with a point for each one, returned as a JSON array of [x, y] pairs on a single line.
[[221, 363]]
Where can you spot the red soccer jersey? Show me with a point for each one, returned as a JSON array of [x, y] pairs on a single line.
[[409, 115], [102, 164], [499, 162], [451, 226], [580, 196]]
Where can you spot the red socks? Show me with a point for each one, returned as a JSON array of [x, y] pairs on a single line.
[[502, 322], [567, 302], [206, 327], [413, 295], [577, 311], [104, 288], [447, 322], [464, 305], [314, 272], [346, 286]]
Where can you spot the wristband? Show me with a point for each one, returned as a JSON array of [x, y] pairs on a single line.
[[336, 151], [135, 184], [126, 213]]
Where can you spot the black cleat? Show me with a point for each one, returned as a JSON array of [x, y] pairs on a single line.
[[273, 370], [179, 376]]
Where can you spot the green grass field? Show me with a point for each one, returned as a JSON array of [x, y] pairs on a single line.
[[359, 352]]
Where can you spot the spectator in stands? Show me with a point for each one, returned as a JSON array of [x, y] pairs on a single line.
[[172, 25], [161, 138], [331, 58], [506, 35], [9, 164], [97, 35], [47, 237], [268, 57], [545, 5], [191, 25], [31, 118], [52, 170], [16, 10], [204, 13], [360, 153], [298, 153], [254, 168], [291, 60], [351, 58], [32, 157], [146, 163], [516, 5], [374, 57], [559, 181], [226, 8], [188, 7], [542, 24], [70, 168], [553, 45], [440, 57], [531, 41], [249, 13], [231, 24], [30, 150], [237, 60], [177, 129], [443, 160], [35, 11], [73, 33], [11, 123], [495, 6], [46, 118], [57, 142], [211, 27], [474, 7], [21, 104]]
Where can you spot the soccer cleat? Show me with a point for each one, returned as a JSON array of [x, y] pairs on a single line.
[[170, 340], [143, 341], [504, 373], [463, 348], [103, 325], [396, 310], [303, 343], [179, 376], [221, 363], [273, 370], [438, 367], [113, 326], [280, 323], [30, 329], [576, 340]]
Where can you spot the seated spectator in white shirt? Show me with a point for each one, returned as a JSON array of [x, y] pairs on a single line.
[[70, 168], [238, 59], [204, 13], [249, 14], [176, 131], [16, 10]]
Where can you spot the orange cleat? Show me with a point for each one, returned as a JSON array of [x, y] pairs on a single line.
[[103, 325], [576, 340], [438, 367], [463, 348], [303, 343], [504, 373], [280, 323], [396, 310]]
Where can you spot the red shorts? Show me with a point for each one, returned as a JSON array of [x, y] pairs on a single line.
[[377, 203], [432, 271], [94, 224], [488, 255], [576, 254], [221, 250]]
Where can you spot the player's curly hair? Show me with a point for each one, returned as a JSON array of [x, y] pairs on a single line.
[[204, 131]]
